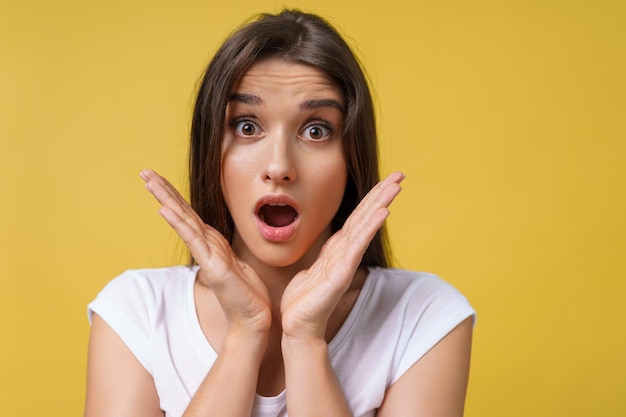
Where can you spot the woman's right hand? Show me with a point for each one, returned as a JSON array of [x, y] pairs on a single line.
[[239, 290]]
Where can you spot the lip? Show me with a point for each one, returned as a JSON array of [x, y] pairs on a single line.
[[272, 233]]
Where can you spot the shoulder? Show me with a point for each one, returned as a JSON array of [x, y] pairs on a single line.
[[413, 290], [424, 308], [135, 302], [149, 282], [398, 318], [135, 297], [139, 288], [428, 367]]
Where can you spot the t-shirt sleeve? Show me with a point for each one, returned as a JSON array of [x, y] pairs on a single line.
[[127, 305], [434, 308]]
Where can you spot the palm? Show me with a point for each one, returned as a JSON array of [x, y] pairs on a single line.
[[312, 295], [239, 290]]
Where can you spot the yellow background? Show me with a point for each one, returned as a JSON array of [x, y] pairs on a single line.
[[508, 118]]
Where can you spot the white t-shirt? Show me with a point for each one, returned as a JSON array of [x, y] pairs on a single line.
[[398, 316]]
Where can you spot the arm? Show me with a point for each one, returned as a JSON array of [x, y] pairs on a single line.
[[117, 384], [435, 385], [229, 388], [310, 380], [310, 299], [230, 385]]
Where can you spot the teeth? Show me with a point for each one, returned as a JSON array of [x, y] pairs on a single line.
[[277, 204]]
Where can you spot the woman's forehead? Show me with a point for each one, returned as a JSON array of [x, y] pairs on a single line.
[[278, 75]]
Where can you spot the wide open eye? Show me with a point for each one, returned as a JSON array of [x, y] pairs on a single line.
[[316, 132], [246, 128]]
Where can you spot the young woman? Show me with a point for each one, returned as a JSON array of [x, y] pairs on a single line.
[[290, 306]]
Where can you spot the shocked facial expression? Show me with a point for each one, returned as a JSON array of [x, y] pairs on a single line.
[[283, 169]]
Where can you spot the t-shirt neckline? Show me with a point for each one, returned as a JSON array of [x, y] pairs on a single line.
[[342, 334]]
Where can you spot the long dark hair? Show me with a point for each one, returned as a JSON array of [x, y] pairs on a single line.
[[297, 37]]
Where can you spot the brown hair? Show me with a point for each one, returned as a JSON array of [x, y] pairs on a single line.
[[298, 37]]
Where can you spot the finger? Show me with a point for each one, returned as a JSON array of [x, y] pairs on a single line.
[[191, 236], [208, 247], [352, 242], [161, 188], [384, 192], [167, 195], [200, 238], [381, 195], [348, 245], [368, 212]]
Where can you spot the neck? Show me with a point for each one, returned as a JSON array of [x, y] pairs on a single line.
[[276, 278], [275, 275]]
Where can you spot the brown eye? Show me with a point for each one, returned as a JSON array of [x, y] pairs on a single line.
[[246, 128], [317, 132]]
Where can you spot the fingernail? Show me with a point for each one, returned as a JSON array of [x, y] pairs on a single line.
[[142, 174]]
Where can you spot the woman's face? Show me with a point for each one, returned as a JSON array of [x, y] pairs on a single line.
[[283, 170]]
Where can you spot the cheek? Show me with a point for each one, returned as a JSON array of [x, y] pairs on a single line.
[[238, 166], [332, 173], [232, 181]]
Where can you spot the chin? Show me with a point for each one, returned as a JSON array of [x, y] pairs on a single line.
[[295, 253], [280, 257]]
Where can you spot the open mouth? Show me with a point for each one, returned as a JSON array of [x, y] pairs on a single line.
[[277, 215]]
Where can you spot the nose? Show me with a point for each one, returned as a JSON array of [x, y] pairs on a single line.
[[280, 163]]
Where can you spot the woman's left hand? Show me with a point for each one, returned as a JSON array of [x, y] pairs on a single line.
[[312, 295]]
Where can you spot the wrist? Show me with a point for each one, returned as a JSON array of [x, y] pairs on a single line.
[[245, 344], [297, 331], [300, 347]]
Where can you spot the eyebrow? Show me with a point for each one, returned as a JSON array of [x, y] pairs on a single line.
[[317, 104], [254, 100], [246, 98]]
